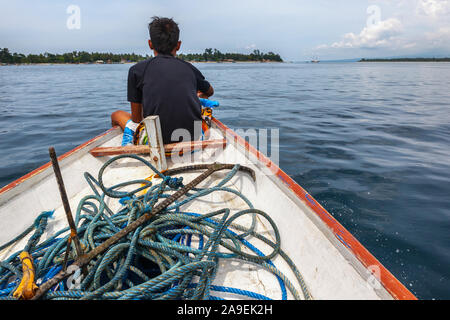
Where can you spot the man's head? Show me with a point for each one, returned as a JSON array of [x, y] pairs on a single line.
[[164, 35]]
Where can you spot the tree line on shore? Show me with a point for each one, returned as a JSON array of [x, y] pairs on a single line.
[[70, 57], [407, 60], [215, 55], [6, 57]]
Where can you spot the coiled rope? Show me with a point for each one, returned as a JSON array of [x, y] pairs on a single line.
[[156, 261]]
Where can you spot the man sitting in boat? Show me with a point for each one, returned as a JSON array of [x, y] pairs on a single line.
[[165, 86]]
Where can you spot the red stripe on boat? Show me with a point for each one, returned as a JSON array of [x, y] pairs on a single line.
[[387, 279], [48, 164]]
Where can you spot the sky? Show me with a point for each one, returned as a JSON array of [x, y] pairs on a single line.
[[296, 29]]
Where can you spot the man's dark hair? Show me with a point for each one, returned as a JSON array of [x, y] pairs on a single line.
[[164, 33]]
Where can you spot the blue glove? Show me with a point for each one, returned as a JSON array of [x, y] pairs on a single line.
[[128, 133], [209, 103]]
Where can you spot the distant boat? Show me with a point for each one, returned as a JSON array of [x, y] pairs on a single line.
[[315, 60]]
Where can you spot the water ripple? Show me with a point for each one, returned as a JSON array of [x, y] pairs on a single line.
[[371, 142]]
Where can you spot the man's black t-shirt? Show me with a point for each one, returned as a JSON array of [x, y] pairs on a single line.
[[167, 86]]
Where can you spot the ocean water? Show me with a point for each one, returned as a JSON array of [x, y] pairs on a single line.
[[370, 141]]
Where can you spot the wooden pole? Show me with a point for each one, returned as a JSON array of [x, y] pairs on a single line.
[[171, 147], [155, 142], [62, 191]]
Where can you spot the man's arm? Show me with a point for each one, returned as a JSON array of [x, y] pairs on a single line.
[[204, 88], [136, 112], [134, 93]]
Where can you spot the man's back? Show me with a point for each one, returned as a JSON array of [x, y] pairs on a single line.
[[167, 87], [164, 86]]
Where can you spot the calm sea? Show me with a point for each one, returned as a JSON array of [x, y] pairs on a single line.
[[370, 141]]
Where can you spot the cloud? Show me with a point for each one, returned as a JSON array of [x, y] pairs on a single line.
[[433, 8], [419, 27], [381, 34], [435, 16], [439, 38]]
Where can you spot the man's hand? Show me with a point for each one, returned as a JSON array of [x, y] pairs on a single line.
[[207, 94]]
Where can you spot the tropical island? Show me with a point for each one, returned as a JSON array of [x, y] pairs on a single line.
[[407, 60], [214, 55], [83, 57]]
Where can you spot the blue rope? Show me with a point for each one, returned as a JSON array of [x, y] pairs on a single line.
[[157, 260]]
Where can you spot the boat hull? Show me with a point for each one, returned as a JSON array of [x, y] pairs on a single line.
[[333, 263]]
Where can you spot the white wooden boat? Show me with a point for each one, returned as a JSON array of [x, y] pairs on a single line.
[[333, 263]]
